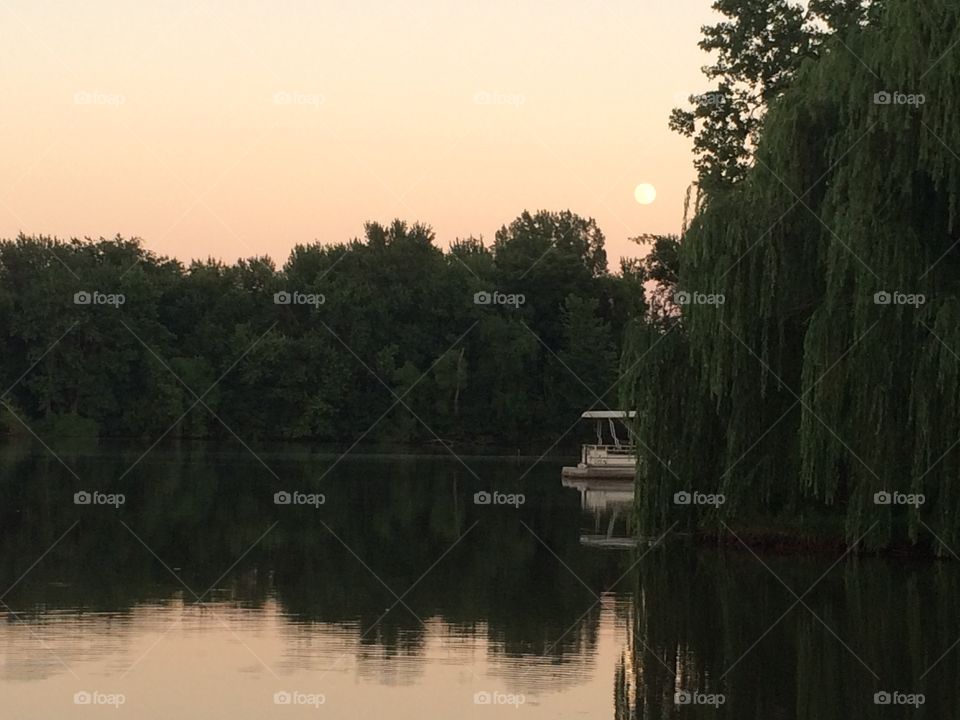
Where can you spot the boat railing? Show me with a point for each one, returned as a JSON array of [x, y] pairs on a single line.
[[608, 455]]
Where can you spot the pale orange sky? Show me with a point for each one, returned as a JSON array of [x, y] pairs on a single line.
[[242, 127]]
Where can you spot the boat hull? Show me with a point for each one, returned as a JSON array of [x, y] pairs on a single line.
[[619, 472]]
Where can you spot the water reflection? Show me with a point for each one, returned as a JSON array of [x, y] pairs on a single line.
[[607, 506], [723, 623], [397, 581], [401, 597]]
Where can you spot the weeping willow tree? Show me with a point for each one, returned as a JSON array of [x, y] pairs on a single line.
[[831, 370]]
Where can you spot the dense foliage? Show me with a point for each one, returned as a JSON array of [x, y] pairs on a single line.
[[759, 48], [382, 338], [822, 379]]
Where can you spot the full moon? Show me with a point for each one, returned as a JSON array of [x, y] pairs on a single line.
[[645, 193]]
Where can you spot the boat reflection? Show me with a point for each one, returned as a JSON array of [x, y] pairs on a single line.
[[606, 505]]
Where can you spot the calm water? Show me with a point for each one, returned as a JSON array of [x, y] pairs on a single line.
[[398, 596]]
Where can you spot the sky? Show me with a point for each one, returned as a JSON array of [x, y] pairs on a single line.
[[234, 128]]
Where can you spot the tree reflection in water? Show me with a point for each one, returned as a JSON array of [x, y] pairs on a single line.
[[720, 622]]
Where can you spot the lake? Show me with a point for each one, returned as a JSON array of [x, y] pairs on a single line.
[[206, 582]]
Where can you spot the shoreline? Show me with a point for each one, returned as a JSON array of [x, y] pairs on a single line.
[[477, 451], [782, 542]]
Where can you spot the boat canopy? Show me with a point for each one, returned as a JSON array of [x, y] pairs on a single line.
[[609, 414]]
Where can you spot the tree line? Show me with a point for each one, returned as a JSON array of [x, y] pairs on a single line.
[[385, 338]]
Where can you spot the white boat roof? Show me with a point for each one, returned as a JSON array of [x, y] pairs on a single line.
[[609, 414]]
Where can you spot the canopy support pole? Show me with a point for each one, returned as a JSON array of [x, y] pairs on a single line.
[[613, 432]]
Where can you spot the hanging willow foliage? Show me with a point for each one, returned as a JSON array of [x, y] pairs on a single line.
[[805, 392]]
